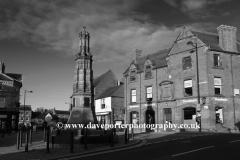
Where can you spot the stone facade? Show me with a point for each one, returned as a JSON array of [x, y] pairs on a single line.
[[171, 80]]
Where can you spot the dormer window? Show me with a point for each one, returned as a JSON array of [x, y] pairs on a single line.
[[148, 72], [133, 76]]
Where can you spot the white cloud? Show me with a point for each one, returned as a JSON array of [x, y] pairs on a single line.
[[114, 27], [196, 8]]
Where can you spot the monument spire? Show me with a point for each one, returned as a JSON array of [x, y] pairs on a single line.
[[83, 97]]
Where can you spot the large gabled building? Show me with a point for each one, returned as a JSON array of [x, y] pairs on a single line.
[[163, 86]]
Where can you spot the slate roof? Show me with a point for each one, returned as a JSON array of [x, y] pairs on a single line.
[[27, 107], [158, 60], [61, 112], [98, 79], [212, 39], [116, 91], [15, 76]]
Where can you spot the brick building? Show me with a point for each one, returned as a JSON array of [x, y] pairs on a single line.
[[109, 105], [10, 84], [163, 86]]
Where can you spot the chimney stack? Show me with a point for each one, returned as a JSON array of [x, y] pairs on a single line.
[[136, 54], [227, 38], [2, 67]]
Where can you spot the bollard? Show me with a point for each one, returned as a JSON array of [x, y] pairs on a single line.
[[3, 133], [125, 136], [85, 138], [47, 148], [44, 134], [52, 141], [26, 141], [18, 138], [30, 136], [21, 137], [111, 137], [132, 133], [128, 137], [71, 142]]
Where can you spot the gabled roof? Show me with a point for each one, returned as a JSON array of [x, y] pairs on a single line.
[[61, 112], [98, 79], [212, 40], [116, 91], [15, 76], [158, 60], [27, 107]]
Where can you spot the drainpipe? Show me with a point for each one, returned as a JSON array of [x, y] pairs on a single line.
[[234, 115], [157, 97], [140, 107], [126, 100]]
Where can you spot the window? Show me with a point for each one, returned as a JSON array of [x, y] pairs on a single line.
[[26, 113], [148, 72], [186, 63], [217, 85], [1, 86], [103, 103], [216, 59], [73, 102], [149, 93], [236, 92], [133, 96], [86, 101], [133, 76], [2, 102], [166, 88], [188, 88]]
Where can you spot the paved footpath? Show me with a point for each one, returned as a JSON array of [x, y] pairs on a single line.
[[37, 150]]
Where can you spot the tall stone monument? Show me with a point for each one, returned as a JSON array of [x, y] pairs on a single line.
[[82, 111]]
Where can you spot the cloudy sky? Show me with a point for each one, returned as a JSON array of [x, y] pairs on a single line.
[[39, 38]]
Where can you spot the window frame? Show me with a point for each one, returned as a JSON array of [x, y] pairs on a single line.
[[148, 74], [103, 105], [184, 88], [219, 63], [131, 76], [151, 93], [217, 85], [1, 86], [184, 63], [135, 95]]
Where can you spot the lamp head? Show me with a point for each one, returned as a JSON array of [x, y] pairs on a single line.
[[190, 43]]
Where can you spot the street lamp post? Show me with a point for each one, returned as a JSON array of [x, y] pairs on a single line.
[[24, 103], [198, 90]]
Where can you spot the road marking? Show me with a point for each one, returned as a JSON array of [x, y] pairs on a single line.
[[102, 152], [234, 141], [191, 151]]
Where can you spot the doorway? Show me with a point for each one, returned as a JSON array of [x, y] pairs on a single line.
[[219, 115], [150, 116]]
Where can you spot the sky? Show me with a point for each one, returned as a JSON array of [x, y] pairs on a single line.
[[39, 39]]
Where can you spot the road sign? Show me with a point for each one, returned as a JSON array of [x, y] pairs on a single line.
[[198, 107]]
